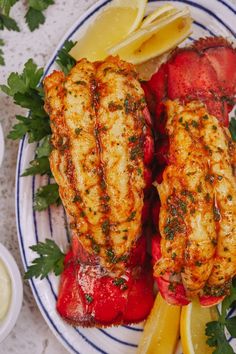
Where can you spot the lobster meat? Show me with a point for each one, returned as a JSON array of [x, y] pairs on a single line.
[[102, 151], [190, 98]]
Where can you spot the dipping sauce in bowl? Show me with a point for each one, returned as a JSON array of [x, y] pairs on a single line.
[[11, 292], [5, 291]]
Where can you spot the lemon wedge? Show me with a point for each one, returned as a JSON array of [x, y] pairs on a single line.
[[192, 327], [161, 330], [111, 26], [160, 12], [155, 38], [5, 291]]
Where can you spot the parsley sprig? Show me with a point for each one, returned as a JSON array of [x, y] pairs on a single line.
[[27, 92], [46, 196], [215, 330], [51, 259], [232, 127], [64, 59], [35, 16], [2, 61], [5, 20]]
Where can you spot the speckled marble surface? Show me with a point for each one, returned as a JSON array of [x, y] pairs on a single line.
[[31, 333]]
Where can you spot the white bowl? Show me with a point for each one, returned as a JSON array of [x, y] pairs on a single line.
[[1, 145], [9, 321]]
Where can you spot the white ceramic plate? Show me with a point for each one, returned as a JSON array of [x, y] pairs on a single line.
[[212, 17]]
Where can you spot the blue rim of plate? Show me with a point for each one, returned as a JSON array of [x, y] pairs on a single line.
[[84, 18]]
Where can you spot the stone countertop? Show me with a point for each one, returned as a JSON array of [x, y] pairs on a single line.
[[31, 333]]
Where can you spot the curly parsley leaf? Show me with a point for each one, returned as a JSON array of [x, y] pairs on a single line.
[[230, 324], [65, 60], [34, 16], [51, 259], [36, 128], [215, 330], [8, 23], [2, 61], [6, 5], [46, 196], [232, 128], [26, 93], [45, 147], [22, 83], [39, 166]]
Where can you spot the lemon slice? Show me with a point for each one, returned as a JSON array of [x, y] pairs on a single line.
[[160, 12], [111, 26], [161, 330], [154, 39], [192, 327], [5, 291]]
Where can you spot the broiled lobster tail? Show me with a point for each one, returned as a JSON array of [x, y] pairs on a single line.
[[194, 155], [102, 147]]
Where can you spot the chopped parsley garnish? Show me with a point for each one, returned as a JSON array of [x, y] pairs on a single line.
[[210, 178], [139, 170], [216, 213], [96, 248], [89, 298], [132, 216], [111, 256], [77, 198], [106, 227], [207, 197], [113, 106], [78, 131], [80, 82], [133, 139], [118, 281], [195, 124], [136, 152], [198, 263]]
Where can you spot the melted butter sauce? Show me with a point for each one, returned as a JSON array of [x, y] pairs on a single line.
[[5, 291]]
